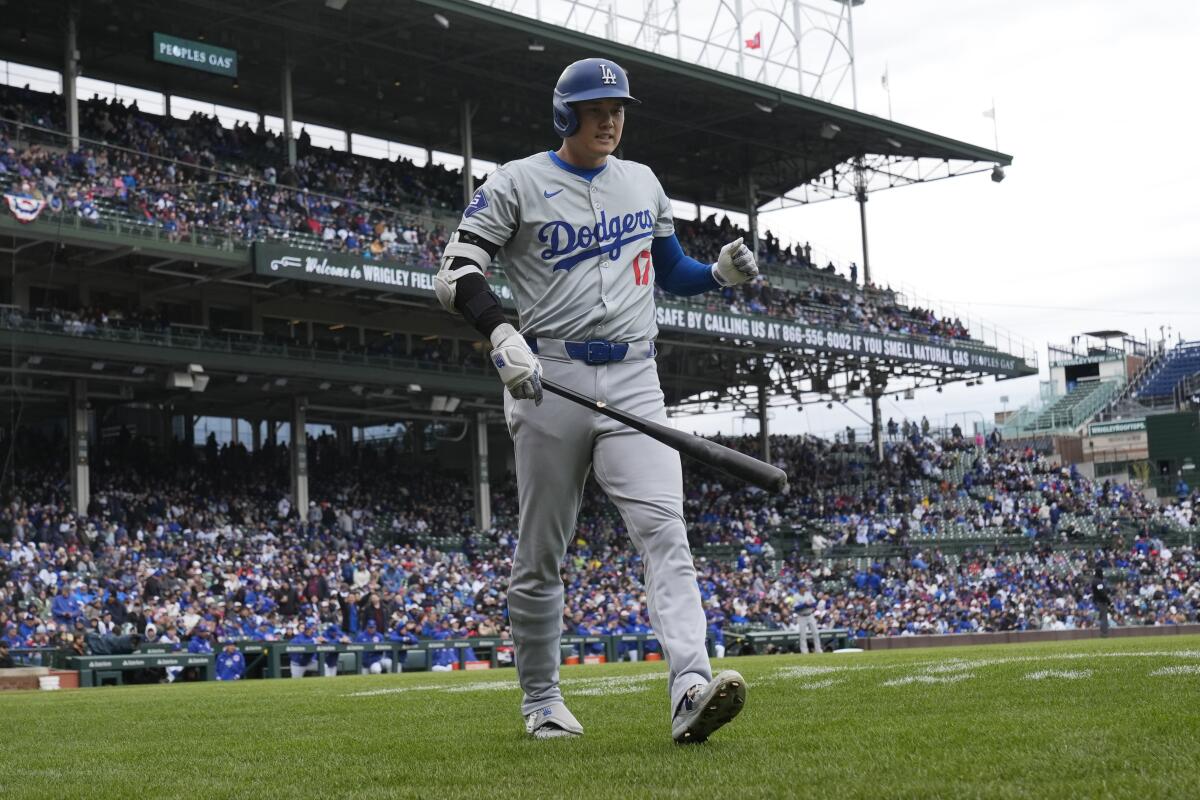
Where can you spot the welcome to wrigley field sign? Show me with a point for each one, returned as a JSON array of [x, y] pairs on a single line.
[[390, 276]]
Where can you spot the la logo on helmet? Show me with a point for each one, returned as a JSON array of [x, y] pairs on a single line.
[[607, 76]]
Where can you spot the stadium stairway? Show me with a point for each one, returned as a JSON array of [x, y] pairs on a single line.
[[1124, 405], [1066, 413]]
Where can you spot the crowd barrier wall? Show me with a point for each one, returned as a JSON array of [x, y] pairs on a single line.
[[1018, 637]]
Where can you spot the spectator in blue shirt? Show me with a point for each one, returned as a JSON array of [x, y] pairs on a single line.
[[651, 647], [231, 664], [264, 632], [64, 607], [459, 631], [11, 636], [626, 651], [333, 635], [199, 642], [28, 627], [304, 662], [716, 630], [404, 633], [374, 662], [443, 660]]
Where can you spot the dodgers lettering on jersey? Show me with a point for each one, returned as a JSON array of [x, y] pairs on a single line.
[[585, 243], [576, 252]]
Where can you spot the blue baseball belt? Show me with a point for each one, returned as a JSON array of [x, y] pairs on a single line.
[[593, 352]]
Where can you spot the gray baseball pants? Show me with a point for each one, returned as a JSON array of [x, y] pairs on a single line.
[[557, 444], [808, 627]]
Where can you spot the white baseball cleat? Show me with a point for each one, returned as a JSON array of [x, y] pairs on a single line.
[[552, 722], [707, 707]]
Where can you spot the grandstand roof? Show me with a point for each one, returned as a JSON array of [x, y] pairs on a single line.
[[387, 68]]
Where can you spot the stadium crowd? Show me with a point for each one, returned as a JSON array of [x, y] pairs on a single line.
[[832, 301], [202, 544], [924, 485], [197, 177]]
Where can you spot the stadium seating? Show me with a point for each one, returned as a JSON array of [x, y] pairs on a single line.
[[1060, 413], [399, 211], [1182, 361], [1067, 412], [934, 503]]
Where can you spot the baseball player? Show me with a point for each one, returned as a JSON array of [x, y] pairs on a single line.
[[585, 237], [806, 606]]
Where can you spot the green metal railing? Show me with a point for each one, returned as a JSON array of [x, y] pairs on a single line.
[[1065, 414], [242, 345]]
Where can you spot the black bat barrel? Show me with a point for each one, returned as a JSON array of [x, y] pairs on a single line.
[[728, 460]]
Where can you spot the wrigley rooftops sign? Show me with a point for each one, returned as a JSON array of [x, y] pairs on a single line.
[[1117, 426], [390, 276]]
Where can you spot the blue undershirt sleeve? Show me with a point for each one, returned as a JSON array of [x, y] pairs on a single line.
[[677, 273]]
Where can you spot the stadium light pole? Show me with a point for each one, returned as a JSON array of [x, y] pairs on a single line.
[[860, 194], [876, 426], [860, 177]]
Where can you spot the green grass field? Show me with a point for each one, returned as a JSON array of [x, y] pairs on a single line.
[[1081, 719]]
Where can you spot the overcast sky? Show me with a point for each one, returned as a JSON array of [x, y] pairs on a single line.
[[1097, 223]]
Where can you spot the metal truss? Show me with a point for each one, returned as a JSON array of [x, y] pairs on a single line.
[[802, 47], [878, 172], [798, 377]]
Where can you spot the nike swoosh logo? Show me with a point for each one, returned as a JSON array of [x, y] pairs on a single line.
[[551, 194]]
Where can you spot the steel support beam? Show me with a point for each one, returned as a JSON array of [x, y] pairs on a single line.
[[77, 440], [483, 486], [70, 74], [288, 114], [468, 112], [764, 431], [299, 456]]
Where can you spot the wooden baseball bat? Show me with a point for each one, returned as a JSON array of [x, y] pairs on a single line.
[[729, 461]]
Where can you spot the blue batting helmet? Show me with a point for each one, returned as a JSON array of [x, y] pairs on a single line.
[[589, 79]]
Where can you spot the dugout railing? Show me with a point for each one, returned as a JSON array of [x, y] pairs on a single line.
[[271, 659]]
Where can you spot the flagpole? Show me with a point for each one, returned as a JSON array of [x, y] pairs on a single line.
[[741, 56], [887, 84], [995, 130]]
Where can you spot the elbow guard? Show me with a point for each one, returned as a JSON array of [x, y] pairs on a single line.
[[465, 254]]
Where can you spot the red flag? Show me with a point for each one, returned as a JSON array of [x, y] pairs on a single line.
[[755, 43]]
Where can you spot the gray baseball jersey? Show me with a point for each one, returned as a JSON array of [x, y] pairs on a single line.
[[577, 252]]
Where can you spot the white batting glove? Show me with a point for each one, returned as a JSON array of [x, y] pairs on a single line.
[[516, 363], [735, 264]]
